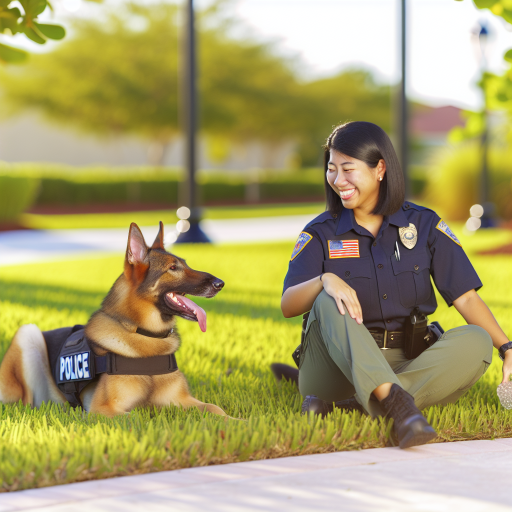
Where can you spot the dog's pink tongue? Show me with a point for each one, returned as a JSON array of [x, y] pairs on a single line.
[[199, 312]]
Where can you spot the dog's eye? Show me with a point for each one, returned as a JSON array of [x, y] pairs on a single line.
[[172, 267]]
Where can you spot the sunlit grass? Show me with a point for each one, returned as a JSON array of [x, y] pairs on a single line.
[[228, 365], [151, 218]]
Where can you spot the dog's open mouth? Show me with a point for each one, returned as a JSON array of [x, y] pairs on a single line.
[[187, 308]]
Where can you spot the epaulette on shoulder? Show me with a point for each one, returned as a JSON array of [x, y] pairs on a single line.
[[408, 205], [321, 218]]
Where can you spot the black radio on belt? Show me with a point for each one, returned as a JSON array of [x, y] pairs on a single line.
[[417, 336]]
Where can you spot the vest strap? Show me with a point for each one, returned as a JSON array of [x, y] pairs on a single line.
[[115, 364]]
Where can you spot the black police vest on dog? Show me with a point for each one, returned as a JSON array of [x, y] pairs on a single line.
[[74, 365]]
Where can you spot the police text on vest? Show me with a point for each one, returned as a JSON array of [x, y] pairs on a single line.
[[74, 367]]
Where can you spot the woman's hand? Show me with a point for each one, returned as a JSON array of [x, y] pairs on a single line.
[[340, 291], [507, 366]]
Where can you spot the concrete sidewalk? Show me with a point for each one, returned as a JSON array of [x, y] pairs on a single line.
[[473, 476], [37, 245]]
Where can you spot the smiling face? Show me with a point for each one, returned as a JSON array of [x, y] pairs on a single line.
[[357, 184], [157, 282]]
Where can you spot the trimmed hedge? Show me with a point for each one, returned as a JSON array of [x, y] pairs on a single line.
[[65, 186], [17, 193], [454, 182]]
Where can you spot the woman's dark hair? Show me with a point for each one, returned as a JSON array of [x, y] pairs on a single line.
[[369, 143]]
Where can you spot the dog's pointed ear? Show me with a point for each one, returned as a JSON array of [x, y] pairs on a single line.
[[159, 240], [136, 250]]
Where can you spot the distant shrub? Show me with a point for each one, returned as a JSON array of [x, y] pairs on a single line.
[[454, 180], [17, 193], [68, 186]]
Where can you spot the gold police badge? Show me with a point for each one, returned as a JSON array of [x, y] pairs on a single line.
[[408, 236]]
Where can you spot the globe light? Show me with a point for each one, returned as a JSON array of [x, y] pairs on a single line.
[[170, 238], [477, 210], [183, 213], [183, 226], [473, 223]]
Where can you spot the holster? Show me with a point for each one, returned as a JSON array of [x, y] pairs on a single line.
[[296, 355], [419, 334]]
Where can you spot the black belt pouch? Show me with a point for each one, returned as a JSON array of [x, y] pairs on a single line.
[[419, 335], [296, 355]]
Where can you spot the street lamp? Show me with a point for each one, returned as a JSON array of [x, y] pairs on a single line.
[[189, 229], [403, 113], [482, 34]]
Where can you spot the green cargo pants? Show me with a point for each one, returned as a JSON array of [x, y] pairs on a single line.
[[340, 358]]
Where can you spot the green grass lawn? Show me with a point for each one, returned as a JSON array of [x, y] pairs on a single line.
[[228, 365], [151, 218]]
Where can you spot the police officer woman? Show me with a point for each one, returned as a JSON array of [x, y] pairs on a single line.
[[361, 268]]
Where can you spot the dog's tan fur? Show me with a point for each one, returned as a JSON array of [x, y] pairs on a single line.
[[134, 301]]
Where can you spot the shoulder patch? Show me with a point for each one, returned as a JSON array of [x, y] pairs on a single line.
[[443, 227], [302, 241]]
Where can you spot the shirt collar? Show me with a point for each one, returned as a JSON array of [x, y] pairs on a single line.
[[399, 219], [348, 222]]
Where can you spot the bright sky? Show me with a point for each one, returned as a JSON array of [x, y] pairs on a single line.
[[329, 35], [333, 34]]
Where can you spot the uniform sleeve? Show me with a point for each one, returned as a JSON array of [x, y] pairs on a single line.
[[306, 261], [451, 269]]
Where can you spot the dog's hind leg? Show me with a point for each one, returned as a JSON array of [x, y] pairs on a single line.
[[25, 370]]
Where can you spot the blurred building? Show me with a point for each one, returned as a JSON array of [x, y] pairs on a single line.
[[30, 138], [429, 127]]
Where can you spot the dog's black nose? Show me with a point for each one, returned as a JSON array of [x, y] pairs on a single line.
[[218, 284]]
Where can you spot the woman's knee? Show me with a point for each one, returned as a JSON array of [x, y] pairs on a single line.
[[479, 342]]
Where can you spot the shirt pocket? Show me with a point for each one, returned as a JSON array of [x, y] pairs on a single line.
[[412, 273], [356, 272]]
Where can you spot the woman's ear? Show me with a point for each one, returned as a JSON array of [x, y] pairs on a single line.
[[381, 169]]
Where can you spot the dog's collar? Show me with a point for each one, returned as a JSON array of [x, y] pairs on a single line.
[[149, 334]]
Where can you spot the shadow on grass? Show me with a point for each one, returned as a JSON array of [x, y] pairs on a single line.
[[60, 297]]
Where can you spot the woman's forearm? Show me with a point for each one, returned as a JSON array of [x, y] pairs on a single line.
[[475, 311], [299, 299]]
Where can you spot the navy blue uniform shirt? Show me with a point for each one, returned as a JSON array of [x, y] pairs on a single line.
[[387, 288]]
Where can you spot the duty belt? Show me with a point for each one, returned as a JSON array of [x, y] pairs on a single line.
[[388, 339]]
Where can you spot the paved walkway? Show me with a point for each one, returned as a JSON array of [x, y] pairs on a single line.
[[32, 245], [471, 476]]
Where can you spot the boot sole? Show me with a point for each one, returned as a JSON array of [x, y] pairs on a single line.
[[416, 432]]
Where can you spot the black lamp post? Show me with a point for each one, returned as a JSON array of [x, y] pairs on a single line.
[[403, 122], [194, 233], [487, 218]]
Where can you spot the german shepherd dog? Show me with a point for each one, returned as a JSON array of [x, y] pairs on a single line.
[[149, 295]]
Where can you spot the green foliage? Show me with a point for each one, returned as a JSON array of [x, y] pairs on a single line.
[[497, 89], [119, 75], [454, 184], [228, 365], [16, 195], [150, 185], [13, 21]]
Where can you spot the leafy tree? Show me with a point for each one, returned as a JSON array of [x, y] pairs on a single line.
[[121, 75], [497, 90], [351, 95]]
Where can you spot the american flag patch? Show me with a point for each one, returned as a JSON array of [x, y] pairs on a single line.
[[343, 249]]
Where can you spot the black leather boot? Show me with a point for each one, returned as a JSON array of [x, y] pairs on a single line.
[[411, 427], [314, 405]]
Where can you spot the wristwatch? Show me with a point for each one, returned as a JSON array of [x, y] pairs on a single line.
[[503, 349]]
